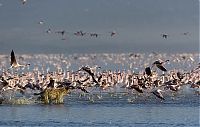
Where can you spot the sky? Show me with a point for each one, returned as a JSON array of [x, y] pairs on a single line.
[[138, 25]]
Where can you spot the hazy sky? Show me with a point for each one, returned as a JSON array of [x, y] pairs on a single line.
[[138, 23]]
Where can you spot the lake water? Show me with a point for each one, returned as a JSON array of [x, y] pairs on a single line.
[[181, 110], [113, 111]]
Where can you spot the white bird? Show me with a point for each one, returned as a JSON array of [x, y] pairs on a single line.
[[158, 94], [41, 22]]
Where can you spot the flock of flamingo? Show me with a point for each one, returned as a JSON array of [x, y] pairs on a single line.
[[92, 75], [89, 75]]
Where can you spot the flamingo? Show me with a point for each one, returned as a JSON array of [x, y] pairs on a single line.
[[158, 94], [14, 63]]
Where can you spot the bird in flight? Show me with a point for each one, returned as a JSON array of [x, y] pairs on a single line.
[[14, 63], [80, 33], [93, 34], [41, 22], [62, 32], [185, 33], [113, 33], [165, 36], [148, 71], [23, 1], [48, 31], [159, 64], [158, 94]]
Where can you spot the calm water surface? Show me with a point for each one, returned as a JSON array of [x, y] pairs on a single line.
[[76, 112]]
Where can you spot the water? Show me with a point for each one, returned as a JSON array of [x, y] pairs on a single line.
[[108, 111], [181, 110]]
